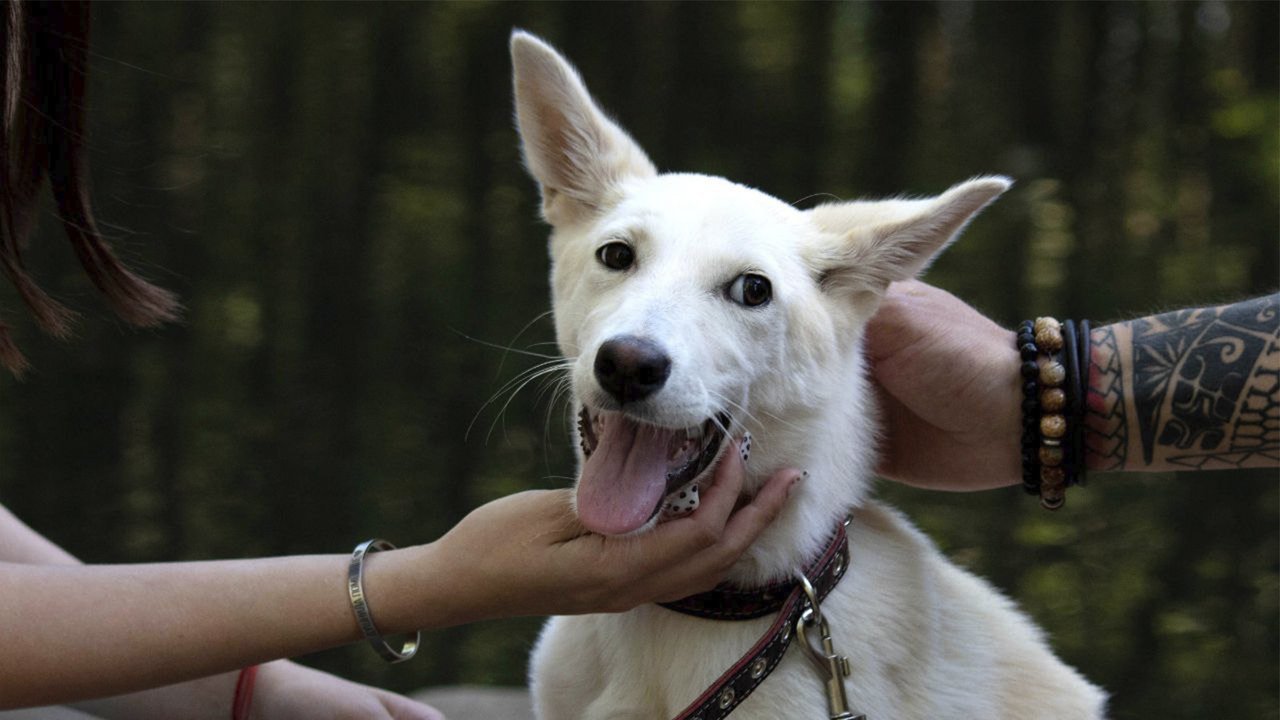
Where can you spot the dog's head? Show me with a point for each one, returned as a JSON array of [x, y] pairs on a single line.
[[694, 308]]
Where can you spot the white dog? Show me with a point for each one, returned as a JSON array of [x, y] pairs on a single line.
[[693, 308]]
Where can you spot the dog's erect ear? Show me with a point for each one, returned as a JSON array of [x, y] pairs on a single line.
[[869, 244], [577, 155]]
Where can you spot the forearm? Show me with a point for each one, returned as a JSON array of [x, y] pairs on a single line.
[[93, 631], [1186, 390], [21, 544]]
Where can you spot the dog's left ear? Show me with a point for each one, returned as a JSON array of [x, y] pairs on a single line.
[[869, 244]]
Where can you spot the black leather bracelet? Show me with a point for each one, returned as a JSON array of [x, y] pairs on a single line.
[[1086, 362], [1074, 411]]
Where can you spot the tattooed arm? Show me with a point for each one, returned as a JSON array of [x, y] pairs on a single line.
[[1193, 389], [1187, 390]]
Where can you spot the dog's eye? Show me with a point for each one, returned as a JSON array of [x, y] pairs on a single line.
[[616, 255], [751, 290]]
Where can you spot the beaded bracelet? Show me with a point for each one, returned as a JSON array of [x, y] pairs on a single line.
[[1028, 352], [1053, 417], [1054, 368]]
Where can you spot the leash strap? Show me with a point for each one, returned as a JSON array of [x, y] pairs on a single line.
[[786, 598]]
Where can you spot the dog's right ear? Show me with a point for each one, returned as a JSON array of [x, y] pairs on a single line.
[[578, 156]]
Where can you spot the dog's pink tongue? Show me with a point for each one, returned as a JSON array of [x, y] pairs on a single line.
[[625, 478]]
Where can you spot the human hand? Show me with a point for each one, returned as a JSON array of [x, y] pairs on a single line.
[[527, 554], [285, 690], [949, 390]]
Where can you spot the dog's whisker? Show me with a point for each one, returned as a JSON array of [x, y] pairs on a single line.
[[544, 314], [539, 374], [739, 410], [837, 198], [781, 420], [722, 428], [499, 346], [737, 407], [522, 331], [514, 385], [498, 417], [544, 343], [518, 378], [750, 416], [556, 399], [562, 397], [556, 387]]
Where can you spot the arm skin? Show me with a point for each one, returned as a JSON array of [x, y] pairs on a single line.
[[1187, 390], [526, 554], [1192, 389], [285, 689]]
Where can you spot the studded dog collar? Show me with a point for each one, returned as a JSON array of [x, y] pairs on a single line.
[[789, 599]]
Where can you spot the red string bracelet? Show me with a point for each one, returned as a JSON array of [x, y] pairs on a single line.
[[243, 699]]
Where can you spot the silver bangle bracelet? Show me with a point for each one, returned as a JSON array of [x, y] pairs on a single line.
[[355, 587]]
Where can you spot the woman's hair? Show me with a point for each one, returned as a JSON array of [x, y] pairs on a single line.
[[45, 50]]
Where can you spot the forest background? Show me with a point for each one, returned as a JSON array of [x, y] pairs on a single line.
[[336, 192]]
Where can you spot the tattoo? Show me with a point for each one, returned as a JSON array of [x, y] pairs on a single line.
[[1107, 436], [1204, 384]]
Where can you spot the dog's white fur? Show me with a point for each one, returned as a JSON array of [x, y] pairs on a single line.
[[924, 638]]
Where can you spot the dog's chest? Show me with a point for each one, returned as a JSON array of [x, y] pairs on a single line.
[[924, 640], [652, 663]]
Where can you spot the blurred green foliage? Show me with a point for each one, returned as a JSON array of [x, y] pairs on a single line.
[[336, 192]]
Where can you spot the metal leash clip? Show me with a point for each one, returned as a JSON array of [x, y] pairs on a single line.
[[832, 666]]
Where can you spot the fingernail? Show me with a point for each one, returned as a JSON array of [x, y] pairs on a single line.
[[794, 482], [744, 447]]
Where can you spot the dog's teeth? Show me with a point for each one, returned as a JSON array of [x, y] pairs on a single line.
[[583, 432]]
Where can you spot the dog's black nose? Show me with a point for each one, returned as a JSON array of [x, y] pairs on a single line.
[[631, 368]]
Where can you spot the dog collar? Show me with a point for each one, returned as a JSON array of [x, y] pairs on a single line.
[[796, 603], [727, 602]]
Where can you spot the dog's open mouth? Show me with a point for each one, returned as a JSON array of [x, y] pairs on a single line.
[[630, 466]]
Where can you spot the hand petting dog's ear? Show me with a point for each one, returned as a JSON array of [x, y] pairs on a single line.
[[928, 401]]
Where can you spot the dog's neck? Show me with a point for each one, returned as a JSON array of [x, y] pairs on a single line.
[[835, 442]]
